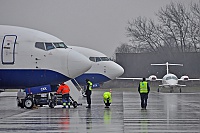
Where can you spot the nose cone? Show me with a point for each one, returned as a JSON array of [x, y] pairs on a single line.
[[172, 82], [114, 70], [77, 64]]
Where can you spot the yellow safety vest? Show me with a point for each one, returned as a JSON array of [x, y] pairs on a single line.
[[143, 87], [107, 95], [90, 85]]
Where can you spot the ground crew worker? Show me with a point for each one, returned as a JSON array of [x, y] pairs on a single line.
[[88, 92], [144, 90], [107, 98], [64, 89]]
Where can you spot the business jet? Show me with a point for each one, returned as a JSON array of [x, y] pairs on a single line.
[[169, 80], [33, 58]]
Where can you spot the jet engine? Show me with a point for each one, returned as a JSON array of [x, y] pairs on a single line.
[[184, 78], [152, 78]]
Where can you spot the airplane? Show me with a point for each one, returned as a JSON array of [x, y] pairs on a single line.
[[33, 58], [169, 80], [102, 70]]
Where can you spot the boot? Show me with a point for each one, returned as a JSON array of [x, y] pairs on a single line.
[[89, 106]]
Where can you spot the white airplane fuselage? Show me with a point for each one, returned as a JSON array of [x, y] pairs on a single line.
[[169, 81], [102, 69], [26, 60]]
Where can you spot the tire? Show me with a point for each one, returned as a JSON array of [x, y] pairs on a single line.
[[28, 103], [75, 104]]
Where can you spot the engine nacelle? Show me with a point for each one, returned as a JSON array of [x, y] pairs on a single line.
[[152, 78], [184, 78]]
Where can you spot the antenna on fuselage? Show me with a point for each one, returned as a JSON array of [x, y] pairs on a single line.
[[167, 64]]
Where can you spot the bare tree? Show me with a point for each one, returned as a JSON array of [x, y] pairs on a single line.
[[125, 48], [177, 30]]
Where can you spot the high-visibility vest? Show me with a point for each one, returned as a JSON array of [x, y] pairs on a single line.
[[143, 87], [90, 85], [107, 95]]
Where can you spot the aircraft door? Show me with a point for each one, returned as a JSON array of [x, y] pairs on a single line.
[[8, 49]]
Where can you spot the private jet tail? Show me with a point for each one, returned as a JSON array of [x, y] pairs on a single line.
[[167, 64]]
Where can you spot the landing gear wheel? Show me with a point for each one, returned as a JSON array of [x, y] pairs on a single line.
[[28, 103], [75, 104], [180, 90]]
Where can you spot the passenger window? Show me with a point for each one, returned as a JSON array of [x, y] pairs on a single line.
[[92, 59], [49, 46], [98, 59], [40, 45]]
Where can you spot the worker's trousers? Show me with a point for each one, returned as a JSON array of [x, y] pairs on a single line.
[[143, 97], [65, 99], [107, 103]]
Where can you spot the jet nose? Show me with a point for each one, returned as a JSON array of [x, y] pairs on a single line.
[[173, 82], [119, 70], [115, 70], [77, 64]]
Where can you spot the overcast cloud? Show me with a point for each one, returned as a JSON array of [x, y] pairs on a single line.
[[96, 24]]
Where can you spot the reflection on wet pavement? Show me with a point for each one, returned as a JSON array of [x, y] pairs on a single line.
[[165, 113]]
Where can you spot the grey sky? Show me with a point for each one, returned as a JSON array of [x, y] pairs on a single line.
[[96, 24]]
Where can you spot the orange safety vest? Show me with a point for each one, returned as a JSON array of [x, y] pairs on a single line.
[[64, 89]]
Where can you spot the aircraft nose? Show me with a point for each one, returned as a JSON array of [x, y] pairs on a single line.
[[173, 82], [77, 64], [119, 70], [115, 70]]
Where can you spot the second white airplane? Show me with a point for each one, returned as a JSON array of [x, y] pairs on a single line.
[[102, 70]]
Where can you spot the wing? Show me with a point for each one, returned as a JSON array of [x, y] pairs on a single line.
[[151, 78], [165, 85], [186, 78], [130, 78]]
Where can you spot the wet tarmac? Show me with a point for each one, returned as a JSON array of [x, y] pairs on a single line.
[[166, 112]]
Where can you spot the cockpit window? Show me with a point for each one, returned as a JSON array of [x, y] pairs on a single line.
[[97, 59], [92, 59], [60, 45], [171, 77], [104, 58], [49, 46], [40, 45]]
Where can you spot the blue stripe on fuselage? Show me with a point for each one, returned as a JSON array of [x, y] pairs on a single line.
[[23, 78], [93, 77]]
